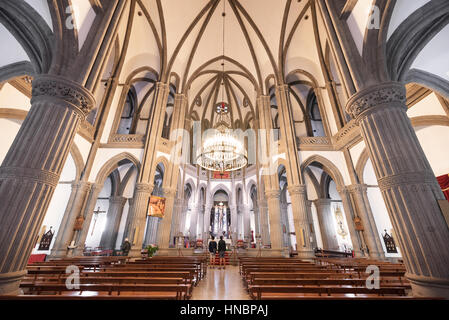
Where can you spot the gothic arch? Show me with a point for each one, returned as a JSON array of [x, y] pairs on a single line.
[[220, 187], [361, 164], [113, 164], [31, 31], [327, 166]]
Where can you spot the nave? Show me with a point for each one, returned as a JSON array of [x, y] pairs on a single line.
[[194, 278]]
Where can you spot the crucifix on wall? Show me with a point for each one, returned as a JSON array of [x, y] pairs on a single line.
[[98, 211]]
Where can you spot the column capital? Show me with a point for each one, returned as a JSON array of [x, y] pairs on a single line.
[[298, 189], [119, 200], [143, 187], [181, 97], [169, 192], [272, 194], [66, 91], [388, 94], [355, 188], [162, 86], [81, 185], [283, 87], [322, 201]]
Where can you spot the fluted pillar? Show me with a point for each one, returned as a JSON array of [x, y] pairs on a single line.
[[408, 185], [264, 222], [81, 236], [75, 207], [274, 211], [200, 222], [284, 222], [298, 196], [206, 221], [194, 222], [163, 239], [246, 224], [31, 169], [313, 241], [137, 217], [327, 224], [113, 218], [370, 232], [356, 236], [151, 233]]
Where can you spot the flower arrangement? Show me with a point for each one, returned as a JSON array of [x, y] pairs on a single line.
[[151, 250]]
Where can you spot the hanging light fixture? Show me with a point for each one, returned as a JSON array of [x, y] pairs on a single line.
[[222, 151]]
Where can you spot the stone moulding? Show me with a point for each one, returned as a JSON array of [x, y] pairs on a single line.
[[376, 96], [79, 98], [126, 140], [36, 175]]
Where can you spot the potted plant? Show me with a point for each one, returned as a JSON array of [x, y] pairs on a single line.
[[151, 250]]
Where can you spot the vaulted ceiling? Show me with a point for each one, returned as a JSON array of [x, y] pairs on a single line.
[[227, 58]]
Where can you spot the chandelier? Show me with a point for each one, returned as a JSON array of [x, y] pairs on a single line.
[[222, 151]]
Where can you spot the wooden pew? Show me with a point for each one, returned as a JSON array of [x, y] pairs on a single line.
[[156, 291], [260, 292]]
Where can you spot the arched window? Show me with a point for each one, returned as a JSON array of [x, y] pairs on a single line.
[[316, 121], [127, 122]]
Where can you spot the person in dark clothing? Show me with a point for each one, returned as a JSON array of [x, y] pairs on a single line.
[[126, 246], [222, 251], [212, 251]]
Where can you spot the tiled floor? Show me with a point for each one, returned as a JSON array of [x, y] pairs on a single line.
[[221, 284]]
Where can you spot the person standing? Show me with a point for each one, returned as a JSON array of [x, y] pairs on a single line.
[[222, 251], [212, 251], [126, 246]]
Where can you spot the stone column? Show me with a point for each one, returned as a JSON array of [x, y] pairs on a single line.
[[31, 169], [246, 224], [356, 237], [75, 207], [264, 222], [327, 224], [194, 222], [313, 241], [284, 222], [207, 211], [200, 222], [151, 234], [370, 232], [274, 210], [408, 185], [137, 217], [81, 236], [298, 196], [163, 239], [113, 218]]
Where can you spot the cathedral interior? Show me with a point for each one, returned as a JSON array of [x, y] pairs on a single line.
[[296, 130]]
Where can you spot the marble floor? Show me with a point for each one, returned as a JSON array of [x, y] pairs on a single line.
[[221, 284]]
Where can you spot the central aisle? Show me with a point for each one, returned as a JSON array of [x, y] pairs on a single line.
[[221, 284]]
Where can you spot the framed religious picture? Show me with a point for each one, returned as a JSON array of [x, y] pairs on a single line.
[[389, 243], [156, 207], [46, 239]]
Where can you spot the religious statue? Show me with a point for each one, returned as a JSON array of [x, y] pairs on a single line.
[[340, 222]]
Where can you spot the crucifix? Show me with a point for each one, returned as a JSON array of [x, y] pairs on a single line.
[[96, 217]]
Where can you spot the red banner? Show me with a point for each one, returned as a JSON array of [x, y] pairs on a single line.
[[444, 185], [221, 175]]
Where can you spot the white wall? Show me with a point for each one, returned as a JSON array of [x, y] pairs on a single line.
[[378, 207], [433, 140]]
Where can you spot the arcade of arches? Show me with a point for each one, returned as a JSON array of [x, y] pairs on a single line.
[[343, 104]]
